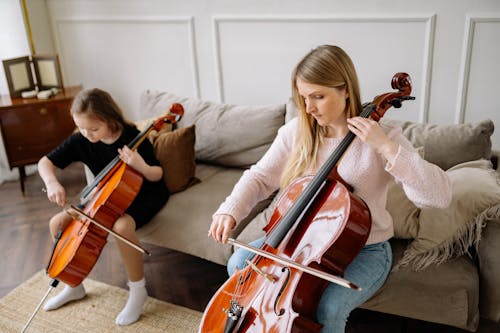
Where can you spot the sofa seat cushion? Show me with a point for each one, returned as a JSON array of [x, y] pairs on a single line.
[[183, 223], [448, 294]]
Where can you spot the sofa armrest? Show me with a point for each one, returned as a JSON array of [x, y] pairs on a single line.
[[489, 264]]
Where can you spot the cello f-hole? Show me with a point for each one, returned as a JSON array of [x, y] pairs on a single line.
[[282, 311]]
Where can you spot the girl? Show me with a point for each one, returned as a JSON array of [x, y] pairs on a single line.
[[104, 133], [325, 89]]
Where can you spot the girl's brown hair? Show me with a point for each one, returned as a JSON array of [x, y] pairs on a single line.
[[100, 104], [328, 66]]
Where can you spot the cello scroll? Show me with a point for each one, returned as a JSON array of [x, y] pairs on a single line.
[[381, 103]]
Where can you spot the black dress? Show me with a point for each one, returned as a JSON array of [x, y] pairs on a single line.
[[152, 195]]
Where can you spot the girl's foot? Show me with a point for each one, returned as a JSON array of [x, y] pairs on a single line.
[[136, 298], [67, 295]]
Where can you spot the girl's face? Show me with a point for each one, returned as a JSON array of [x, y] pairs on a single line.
[[327, 105], [94, 129]]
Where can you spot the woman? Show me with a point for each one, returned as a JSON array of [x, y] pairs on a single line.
[[103, 134], [326, 91]]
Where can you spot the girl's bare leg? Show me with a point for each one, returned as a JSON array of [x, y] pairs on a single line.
[[132, 259]]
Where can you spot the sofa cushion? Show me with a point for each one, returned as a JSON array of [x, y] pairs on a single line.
[[447, 233], [489, 264], [449, 145], [183, 223], [403, 211], [225, 133], [448, 294], [175, 151], [169, 229]]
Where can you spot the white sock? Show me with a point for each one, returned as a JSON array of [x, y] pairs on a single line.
[[66, 295], [136, 298]]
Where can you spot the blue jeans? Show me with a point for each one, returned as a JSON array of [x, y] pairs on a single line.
[[368, 270]]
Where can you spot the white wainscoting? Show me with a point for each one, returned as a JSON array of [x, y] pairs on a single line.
[[255, 55], [244, 51], [126, 55], [479, 83]]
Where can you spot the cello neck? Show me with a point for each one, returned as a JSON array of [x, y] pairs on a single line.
[[108, 170], [312, 189]]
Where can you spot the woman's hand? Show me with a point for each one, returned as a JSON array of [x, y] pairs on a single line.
[[56, 193], [221, 227], [369, 131]]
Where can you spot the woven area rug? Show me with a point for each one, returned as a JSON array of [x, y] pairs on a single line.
[[95, 313]]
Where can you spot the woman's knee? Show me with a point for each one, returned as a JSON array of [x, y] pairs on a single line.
[[236, 261], [334, 308], [239, 257]]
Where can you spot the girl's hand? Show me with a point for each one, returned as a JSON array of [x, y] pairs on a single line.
[[131, 157], [56, 193], [369, 131], [221, 227], [135, 160]]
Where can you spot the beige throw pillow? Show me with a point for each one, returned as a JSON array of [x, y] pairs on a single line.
[[446, 233], [175, 151], [403, 211], [226, 134]]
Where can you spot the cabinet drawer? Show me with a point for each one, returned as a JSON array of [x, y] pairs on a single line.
[[29, 132]]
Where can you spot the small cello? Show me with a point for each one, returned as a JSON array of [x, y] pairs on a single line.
[[317, 228], [102, 202]]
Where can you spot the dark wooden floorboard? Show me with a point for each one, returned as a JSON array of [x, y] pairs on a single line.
[[175, 277]]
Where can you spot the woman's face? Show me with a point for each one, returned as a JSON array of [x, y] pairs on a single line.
[[93, 128], [327, 105]]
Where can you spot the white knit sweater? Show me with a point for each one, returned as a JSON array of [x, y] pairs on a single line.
[[362, 167]]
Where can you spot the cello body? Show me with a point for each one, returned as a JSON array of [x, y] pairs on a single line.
[[332, 234], [80, 244]]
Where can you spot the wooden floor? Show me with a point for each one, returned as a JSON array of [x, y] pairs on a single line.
[[171, 276]]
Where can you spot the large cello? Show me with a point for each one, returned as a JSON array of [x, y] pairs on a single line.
[[317, 228], [102, 202]]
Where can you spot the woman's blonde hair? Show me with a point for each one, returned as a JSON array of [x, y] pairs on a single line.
[[100, 104], [328, 66]]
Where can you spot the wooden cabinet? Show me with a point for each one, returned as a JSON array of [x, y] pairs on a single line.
[[33, 127]]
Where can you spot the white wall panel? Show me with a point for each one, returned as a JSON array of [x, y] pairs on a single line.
[[255, 56], [244, 51], [480, 84], [126, 56]]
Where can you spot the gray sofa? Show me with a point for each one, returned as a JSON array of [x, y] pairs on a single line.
[[450, 288]]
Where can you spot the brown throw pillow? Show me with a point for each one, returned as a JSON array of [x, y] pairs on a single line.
[[175, 151]]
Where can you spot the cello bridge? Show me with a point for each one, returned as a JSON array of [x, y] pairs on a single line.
[[261, 272]]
